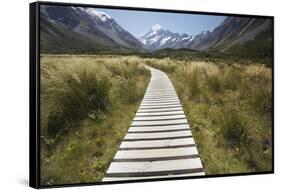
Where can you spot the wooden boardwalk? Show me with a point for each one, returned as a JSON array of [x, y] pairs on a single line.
[[159, 143]]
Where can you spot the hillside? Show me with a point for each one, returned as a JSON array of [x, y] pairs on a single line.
[[83, 30], [240, 35]]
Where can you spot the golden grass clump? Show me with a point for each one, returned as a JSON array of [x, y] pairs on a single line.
[[229, 107], [87, 104]]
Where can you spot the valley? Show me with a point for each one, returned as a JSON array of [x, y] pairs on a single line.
[[228, 113], [94, 76], [85, 30]]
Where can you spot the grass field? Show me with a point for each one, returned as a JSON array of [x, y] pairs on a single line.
[[87, 105], [229, 108], [88, 102]]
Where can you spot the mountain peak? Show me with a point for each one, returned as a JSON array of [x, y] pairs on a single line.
[[102, 15], [156, 27], [88, 29], [205, 32]]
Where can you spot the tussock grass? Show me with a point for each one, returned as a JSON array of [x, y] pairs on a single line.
[[230, 112], [87, 104]]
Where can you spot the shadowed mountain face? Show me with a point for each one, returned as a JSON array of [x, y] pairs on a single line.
[[236, 31], [233, 33], [75, 29]]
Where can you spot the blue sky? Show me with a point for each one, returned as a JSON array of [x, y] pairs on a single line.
[[139, 22]]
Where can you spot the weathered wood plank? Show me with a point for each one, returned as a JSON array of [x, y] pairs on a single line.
[[159, 110], [133, 136], [159, 106], [141, 114], [144, 103], [159, 143], [158, 123], [167, 167], [156, 153], [152, 103], [159, 99], [158, 128], [151, 118], [152, 177]]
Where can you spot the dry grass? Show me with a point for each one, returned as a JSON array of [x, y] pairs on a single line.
[[87, 104], [230, 111], [228, 107]]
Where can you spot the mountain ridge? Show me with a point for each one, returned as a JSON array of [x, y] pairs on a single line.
[[232, 32], [87, 30], [83, 29]]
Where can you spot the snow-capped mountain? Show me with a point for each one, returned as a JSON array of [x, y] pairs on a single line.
[[91, 11], [83, 30], [79, 28], [158, 38], [197, 39], [232, 32]]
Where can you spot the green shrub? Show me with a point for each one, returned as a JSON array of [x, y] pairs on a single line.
[[194, 87], [73, 100], [85, 93], [128, 91], [56, 122], [170, 68], [231, 79], [262, 100], [164, 65], [259, 99], [193, 83], [232, 128], [214, 83], [96, 90], [116, 70], [100, 165]]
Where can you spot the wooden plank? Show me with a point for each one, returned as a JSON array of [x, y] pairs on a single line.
[[159, 106], [157, 135], [144, 103], [158, 123], [151, 102], [153, 118], [166, 167], [156, 153], [161, 90], [160, 99], [153, 177], [158, 128], [155, 144], [159, 113], [161, 94], [159, 110]]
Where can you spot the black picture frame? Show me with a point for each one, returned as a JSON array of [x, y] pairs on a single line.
[[34, 91]]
